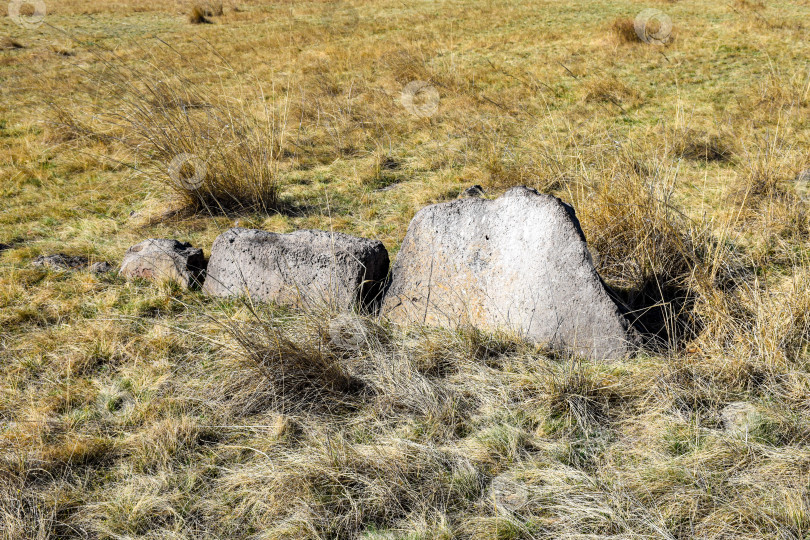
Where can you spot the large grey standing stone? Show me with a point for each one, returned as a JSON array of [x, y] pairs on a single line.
[[164, 260], [519, 262], [304, 268]]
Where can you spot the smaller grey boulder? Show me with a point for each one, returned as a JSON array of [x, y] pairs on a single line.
[[302, 268], [164, 260]]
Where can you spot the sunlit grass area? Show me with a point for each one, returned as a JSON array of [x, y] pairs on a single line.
[[139, 410]]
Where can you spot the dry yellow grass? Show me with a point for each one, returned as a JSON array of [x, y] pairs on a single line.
[[137, 411]]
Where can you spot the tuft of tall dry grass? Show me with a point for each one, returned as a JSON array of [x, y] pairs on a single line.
[[218, 154], [662, 264], [295, 373], [701, 146], [199, 15], [624, 30]]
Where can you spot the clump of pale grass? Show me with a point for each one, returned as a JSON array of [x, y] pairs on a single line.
[[768, 166], [334, 488], [581, 396], [200, 13], [213, 8], [295, 368], [609, 89]]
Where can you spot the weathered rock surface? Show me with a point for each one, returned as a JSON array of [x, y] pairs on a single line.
[[164, 260], [302, 268], [519, 262]]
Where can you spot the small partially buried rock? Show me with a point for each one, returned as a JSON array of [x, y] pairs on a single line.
[[302, 268], [474, 191], [60, 261], [519, 262], [102, 267], [164, 260]]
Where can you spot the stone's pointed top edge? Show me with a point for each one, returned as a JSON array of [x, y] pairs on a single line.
[[529, 193], [521, 191], [161, 244], [513, 192]]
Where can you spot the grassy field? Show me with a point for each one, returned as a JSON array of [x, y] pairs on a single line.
[[139, 410]]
